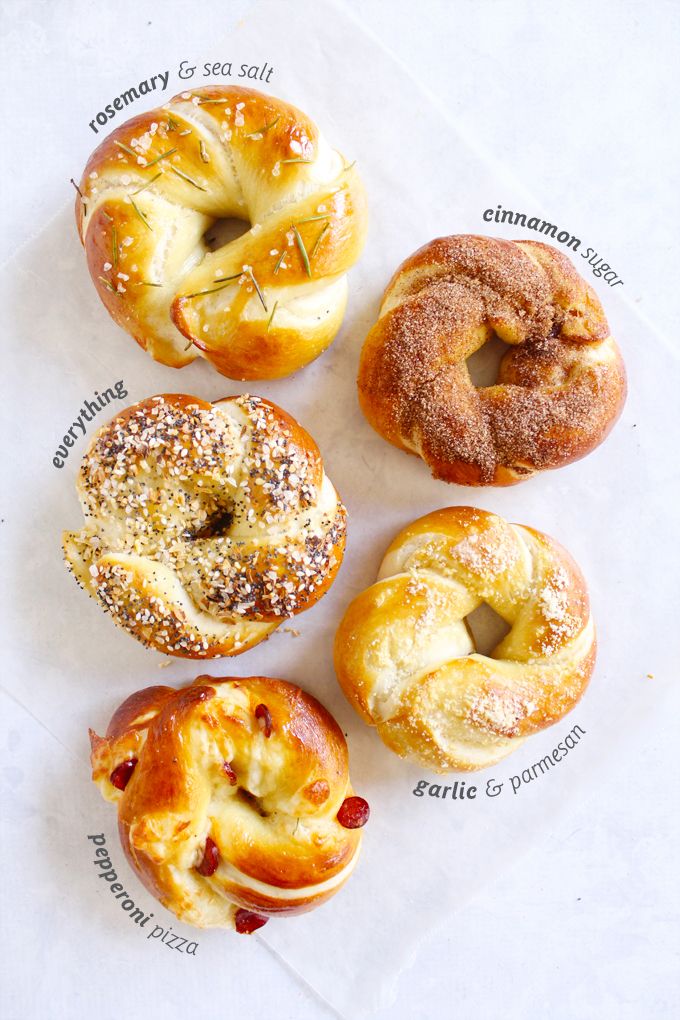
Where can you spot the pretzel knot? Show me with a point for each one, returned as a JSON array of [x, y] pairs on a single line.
[[207, 524], [259, 306], [407, 661], [217, 812], [561, 385]]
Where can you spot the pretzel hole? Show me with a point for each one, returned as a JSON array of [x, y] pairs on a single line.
[[487, 628], [251, 800], [222, 231], [218, 524], [483, 366]]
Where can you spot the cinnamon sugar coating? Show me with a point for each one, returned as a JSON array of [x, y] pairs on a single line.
[[561, 385]]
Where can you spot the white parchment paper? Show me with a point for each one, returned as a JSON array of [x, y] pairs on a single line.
[[69, 667]]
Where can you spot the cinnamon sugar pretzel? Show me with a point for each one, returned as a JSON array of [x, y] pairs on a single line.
[[561, 385]]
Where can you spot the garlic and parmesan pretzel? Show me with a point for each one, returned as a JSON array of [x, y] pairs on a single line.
[[561, 385], [262, 305], [234, 798], [406, 659], [206, 524]]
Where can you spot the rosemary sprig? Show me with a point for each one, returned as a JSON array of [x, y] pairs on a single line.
[[107, 283], [185, 177], [318, 240], [140, 214], [172, 124], [82, 199], [114, 246], [263, 130], [278, 264], [203, 151], [312, 219], [162, 156], [303, 251], [148, 183], [125, 148], [257, 288], [298, 160], [212, 290], [276, 305]]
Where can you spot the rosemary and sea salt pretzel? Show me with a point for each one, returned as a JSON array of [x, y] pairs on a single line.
[[561, 385], [267, 302], [207, 525], [406, 659], [234, 798]]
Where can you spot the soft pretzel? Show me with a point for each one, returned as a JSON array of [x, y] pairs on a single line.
[[234, 799], [561, 385], [262, 305], [406, 660], [206, 524]]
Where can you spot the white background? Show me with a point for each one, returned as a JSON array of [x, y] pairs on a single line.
[[578, 103]]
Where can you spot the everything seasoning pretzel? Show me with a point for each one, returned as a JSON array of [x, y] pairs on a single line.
[[262, 305], [561, 385], [407, 662], [207, 525], [234, 798]]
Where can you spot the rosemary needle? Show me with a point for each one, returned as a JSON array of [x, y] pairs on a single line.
[[312, 219], [148, 183], [300, 160], [80, 195], [125, 148], [257, 288], [303, 250], [318, 240], [107, 283], [140, 214], [162, 156], [186, 177], [276, 305], [211, 290], [114, 246], [278, 264], [263, 130]]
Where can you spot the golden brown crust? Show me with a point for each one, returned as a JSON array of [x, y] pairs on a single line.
[[207, 524], [406, 660], [153, 188], [271, 813], [561, 385]]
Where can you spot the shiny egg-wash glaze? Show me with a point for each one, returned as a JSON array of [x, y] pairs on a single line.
[[207, 525], [230, 804], [407, 662], [262, 305]]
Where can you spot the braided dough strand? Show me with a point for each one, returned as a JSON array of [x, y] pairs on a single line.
[[260, 306], [271, 811], [406, 660]]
